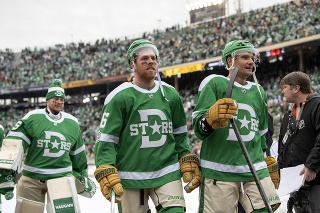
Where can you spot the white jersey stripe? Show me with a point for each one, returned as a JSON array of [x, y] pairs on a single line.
[[79, 150], [149, 175], [231, 168], [109, 138], [47, 171], [180, 130], [20, 135]]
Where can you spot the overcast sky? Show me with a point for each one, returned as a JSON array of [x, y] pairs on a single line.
[[43, 23]]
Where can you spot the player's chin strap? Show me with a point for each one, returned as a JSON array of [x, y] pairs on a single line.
[[160, 84], [257, 85], [231, 67]]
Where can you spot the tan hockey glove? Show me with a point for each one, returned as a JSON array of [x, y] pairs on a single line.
[[109, 179], [273, 170], [189, 166], [219, 113]]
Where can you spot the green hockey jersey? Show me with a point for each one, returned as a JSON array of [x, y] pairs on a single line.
[[221, 155], [143, 135], [54, 148]]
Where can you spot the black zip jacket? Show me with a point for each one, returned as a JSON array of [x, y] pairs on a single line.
[[302, 145]]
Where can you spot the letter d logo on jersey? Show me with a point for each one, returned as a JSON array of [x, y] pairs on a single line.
[[249, 123], [159, 128], [51, 145]]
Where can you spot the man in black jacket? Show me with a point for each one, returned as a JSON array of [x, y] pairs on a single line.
[[299, 139]]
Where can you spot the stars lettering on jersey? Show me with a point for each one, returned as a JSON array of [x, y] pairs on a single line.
[[55, 144], [155, 127], [244, 122]]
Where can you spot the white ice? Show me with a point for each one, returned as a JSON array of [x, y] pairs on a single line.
[[99, 204]]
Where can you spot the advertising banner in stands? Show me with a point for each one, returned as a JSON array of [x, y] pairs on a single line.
[[80, 83], [183, 69]]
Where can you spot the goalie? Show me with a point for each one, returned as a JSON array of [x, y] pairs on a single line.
[[143, 149], [54, 149], [7, 177]]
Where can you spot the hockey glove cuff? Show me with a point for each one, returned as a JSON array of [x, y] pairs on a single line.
[[273, 170], [108, 178], [189, 166]]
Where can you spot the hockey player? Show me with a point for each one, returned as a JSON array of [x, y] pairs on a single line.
[[227, 178], [143, 146], [54, 149]]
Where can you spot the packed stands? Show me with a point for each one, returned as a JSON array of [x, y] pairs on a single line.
[[106, 58]]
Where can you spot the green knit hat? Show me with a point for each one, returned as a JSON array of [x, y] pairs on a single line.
[[55, 90]]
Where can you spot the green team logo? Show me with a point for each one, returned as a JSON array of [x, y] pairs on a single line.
[[154, 131], [6, 161], [58, 93], [64, 205], [55, 144], [249, 124]]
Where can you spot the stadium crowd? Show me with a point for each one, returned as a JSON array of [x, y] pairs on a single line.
[[89, 115], [279, 23]]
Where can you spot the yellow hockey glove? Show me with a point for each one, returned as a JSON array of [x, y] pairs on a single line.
[[189, 166], [219, 113], [273, 170], [108, 178]]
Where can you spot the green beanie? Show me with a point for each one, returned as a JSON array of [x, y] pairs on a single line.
[[55, 90]]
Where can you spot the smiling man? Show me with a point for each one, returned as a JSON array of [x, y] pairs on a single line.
[[143, 148], [227, 178], [54, 149]]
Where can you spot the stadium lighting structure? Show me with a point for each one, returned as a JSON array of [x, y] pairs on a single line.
[[201, 4]]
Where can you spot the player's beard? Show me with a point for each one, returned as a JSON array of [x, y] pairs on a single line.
[[148, 75]]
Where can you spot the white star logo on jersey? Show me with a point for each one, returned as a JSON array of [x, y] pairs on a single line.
[[163, 128], [55, 144], [245, 110], [155, 127], [244, 122], [62, 146]]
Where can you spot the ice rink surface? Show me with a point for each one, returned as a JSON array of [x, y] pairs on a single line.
[[99, 204]]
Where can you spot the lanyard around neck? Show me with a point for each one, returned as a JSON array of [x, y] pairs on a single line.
[[297, 118]]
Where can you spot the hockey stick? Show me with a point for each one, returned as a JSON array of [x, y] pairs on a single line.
[[243, 147], [113, 201]]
